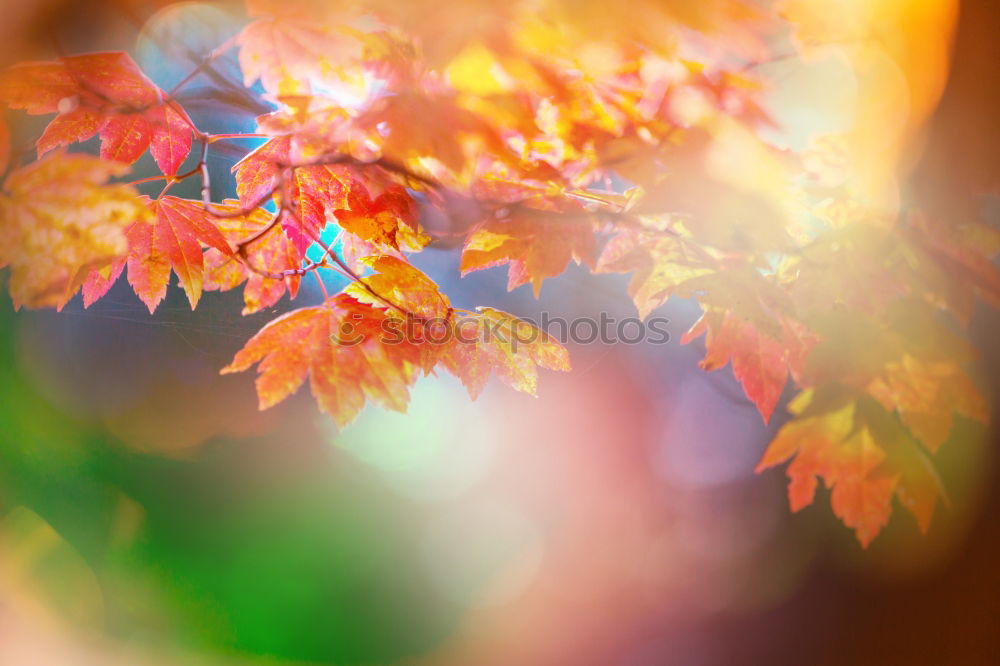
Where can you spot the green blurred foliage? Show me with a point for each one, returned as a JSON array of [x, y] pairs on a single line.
[[233, 551]]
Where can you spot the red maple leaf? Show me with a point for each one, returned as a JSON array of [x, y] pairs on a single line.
[[267, 261], [759, 361], [340, 346], [173, 240], [106, 94], [314, 192], [535, 244]]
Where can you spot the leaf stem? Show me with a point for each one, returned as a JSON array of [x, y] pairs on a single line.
[[212, 138]]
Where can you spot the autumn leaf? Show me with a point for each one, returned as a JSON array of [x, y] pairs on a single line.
[[455, 135], [927, 395], [59, 219], [106, 94], [919, 486], [750, 322], [495, 342], [535, 244], [399, 285], [659, 262], [258, 174], [291, 45], [340, 347], [354, 249], [861, 496], [759, 361], [172, 240], [315, 192], [812, 441], [264, 251], [100, 280], [390, 220], [830, 446]]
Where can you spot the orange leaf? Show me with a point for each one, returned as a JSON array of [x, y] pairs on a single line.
[[861, 455], [535, 244], [353, 249], [316, 191], [659, 263], [390, 220], [77, 125], [339, 345], [926, 395], [148, 266], [174, 240], [759, 361], [59, 220], [171, 138], [125, 137], [257, 174], [271, 252], [919, 485], [861, 497], [403, 286], [495, 342], [102, 93], [290, 47], [100, 280]]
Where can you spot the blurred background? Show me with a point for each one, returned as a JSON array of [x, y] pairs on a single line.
[[149, 514]]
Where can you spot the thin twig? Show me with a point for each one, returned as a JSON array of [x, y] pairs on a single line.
[[206, 61]]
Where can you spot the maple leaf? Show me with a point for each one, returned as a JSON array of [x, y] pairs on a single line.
[[58, 220], [292, 45], [172, 240], [919, 487], [748, 322], [353, 249], [495, 342], [963, 255], [470, 345], [860, 496], [269, 251], [759, 361], [340, 346], [398, 283], [659, 263], [829, 446], [100, 280], [315, 192], [535, 244], [417, 311], [258, 174], [927, 395], [106, 94], [452, 135], [390, 220]]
